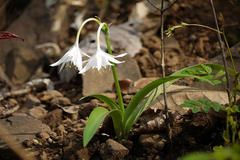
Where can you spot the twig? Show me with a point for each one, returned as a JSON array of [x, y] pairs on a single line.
[[163, 72], [223, 53]]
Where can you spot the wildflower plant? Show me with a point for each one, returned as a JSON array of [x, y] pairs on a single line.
[[123, 118]]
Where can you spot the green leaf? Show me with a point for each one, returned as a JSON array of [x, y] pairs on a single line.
[[206, 68], [109, 102], [220, 74], [206, 109], [94, 121], [224, 79], [216, 106], [215, 82], [116, 116], [195, 110]]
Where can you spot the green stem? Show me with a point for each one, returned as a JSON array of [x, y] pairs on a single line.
[[118, 89], [200, 25], [81, 27]]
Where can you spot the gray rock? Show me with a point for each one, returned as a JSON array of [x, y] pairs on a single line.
[[33, 25], [152, 143], [21, 64], [32, 101], [54, 117], [38, 112], [95, 82], [123, 37], [23, 127], [113, 150]]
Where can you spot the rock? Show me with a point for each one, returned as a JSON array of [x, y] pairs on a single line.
[[83, 154], [9, 108], [23, 127], [71, 109], [32, 101], [139, 11], [110, 95], [43, 156], [127, 98], [62, 101], [94, 83], [142, 82], [21, 64], [152, 143], [86, 108], [38, 112], [46, 96], [124, 36], [54, 117], [35, 30], [125, 85], [113, 150], [44, 135], [40, 84], [61, 130]]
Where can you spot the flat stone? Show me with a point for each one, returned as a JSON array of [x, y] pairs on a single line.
[[32, 101], [62, 101], [95, 82], [35, 30], [23, 127], [46, 96], [83, 154], [54, 117], [152, 142], [38, 112], [113, 150]]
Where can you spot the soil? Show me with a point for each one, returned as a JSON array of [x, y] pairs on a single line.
[[191, 132]]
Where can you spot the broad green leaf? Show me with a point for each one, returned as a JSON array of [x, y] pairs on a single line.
[[109, 102], [116, 116], [94, 121]]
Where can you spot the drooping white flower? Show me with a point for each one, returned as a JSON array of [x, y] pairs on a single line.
[[72, 57], [100, 58]]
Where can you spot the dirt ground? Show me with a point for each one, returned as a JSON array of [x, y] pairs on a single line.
[[191, 132]]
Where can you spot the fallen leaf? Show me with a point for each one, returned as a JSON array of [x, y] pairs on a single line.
[[8, 35]]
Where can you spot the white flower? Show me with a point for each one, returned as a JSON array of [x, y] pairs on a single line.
[[73, 56], [100, 58]]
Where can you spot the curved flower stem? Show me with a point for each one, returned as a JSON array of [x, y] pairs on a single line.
[[203, 26], [81, 27], [118, 89]]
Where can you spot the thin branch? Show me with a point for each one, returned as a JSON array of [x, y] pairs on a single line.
[[223, 53], [163, 72]]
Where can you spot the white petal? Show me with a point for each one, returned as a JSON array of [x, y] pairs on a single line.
[[121, 55]]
